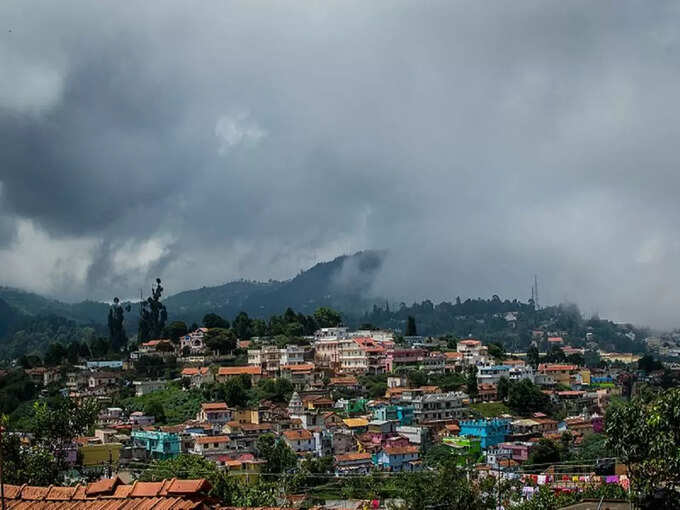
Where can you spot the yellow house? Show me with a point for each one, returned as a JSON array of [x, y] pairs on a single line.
[[585, 376], [94, 454], [247, 416]]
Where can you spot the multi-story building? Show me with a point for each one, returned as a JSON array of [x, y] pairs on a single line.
[[561, 374], [158, 445], [299, 440], [474, 353], [438, 407], [226, 373], [491, 374], [197, 376], [270, 358], [518, 372], [375, 354], [399, 458], [351, 357], [194, 342], [211, 445], [490, 432], [404, 358], [215, 413]]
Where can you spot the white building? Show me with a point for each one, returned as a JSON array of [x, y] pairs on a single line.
[[491, 374], [194, 341], [474, 353], [299, 440]]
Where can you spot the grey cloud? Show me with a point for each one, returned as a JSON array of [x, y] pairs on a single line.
[[479, 143]]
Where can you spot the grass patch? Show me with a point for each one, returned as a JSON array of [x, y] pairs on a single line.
[[490, 409]]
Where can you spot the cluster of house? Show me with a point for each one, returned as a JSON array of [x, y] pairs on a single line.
[[386, 433]]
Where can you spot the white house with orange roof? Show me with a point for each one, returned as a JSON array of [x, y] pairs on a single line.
[[474, 353]]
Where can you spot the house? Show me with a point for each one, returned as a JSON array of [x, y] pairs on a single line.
[[468, 449], [97, 379], [300, 441], [437, 406], [226, 373], [194, 342], [347, 382], [490, 432], [454, 361], [401, 413], [491, 374], [170, 494], [197, 376], [354, 463], [211, 445], [215, 413], [397, 459], [270, 359], [301, 375], [474, 353], [145, 387], [561, 374], [96, 453], [356, 425], [487, 392], [161, 347], [140, 419], [158, 445]]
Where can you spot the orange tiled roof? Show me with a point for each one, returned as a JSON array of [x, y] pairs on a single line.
[[195, 371], [297, 434], [111, 494], [400, 450], [239, 370], [212, 439], [214, 406], [303, 367], [347, 457]]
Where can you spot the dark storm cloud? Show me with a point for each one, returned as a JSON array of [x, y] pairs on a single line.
[[480, 143]]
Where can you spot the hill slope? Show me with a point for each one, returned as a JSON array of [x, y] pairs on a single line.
[[341, 284]]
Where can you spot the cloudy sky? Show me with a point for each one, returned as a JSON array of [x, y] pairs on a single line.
[[479, 142]]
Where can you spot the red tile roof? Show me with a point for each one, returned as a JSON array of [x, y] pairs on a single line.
[[111, 494], [214, 406], [239, 370], [348, 457], [300, 434], [400, 450], [212, 439], [195, 371]]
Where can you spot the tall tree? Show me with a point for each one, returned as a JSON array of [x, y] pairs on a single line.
[[411, 326], [327, 317], [153, 315], [242, 326], [212, 320], [117, 334], [175, 330], [471, 382]]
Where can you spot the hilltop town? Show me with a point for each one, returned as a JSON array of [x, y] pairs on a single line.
[[300, 420]]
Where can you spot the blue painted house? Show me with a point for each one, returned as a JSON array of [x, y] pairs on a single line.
[[391, 413], [159, 445], [490, 432], [398, 458]]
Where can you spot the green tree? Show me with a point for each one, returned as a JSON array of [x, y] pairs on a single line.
[[243, 326], [220, 340], [645, 434], [496, 351], [229, 490], [327, 317], [276, 452], [212, 320], [649, 364], [55, 354], [544, 452], [503, 388], [533, 356], [175, 330], [116, 318], [471, 382], [155, 408], [153, 315], [411, 326], [524, 397]]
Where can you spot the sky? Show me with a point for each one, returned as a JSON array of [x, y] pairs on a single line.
[[480, 143]]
